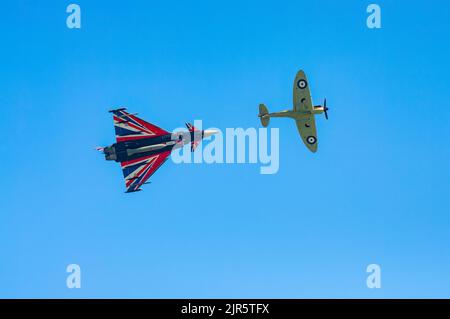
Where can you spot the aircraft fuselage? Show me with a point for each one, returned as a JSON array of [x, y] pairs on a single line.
[[129, 150]]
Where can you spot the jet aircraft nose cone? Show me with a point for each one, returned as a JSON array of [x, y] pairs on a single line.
[[207, 133]]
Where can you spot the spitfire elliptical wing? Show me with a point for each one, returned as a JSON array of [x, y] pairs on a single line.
[[301, 94], [307, 130], [130, 127], [306, 125]]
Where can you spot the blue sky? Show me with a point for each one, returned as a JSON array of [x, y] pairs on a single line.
[[377, 191]]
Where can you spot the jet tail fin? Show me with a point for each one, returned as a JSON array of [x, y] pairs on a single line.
[[263, 111], [190, 127]]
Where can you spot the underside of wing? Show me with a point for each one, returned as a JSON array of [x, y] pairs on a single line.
[[129, 127], [302, 95], [136, 172], [307, 129]]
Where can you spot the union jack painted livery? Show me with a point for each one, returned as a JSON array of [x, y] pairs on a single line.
[[141, 147]]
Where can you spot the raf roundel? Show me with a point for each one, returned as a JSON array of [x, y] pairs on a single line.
[[302, 84], [311, 140]]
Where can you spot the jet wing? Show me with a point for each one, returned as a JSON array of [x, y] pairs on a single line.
[[136, 172], [130, 127], [307, 128], [302, 95]]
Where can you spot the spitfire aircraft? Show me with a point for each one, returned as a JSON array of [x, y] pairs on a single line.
[[303, 112], [141, 147]]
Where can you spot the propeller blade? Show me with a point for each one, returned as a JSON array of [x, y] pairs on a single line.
[[325, 109]]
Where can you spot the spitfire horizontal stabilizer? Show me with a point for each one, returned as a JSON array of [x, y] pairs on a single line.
[[263, 111]]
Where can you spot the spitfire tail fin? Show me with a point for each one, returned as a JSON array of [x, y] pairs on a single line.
[[263, 111]]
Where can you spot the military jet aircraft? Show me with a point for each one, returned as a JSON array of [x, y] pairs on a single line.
[[141, 147], [303, 112]]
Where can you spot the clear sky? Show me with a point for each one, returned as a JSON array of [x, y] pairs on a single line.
[[377, 190]]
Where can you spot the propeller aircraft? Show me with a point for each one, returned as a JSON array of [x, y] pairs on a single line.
[[303, 112]]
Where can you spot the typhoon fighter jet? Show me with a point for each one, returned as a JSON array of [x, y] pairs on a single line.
[[302, 112], [141, 147]]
